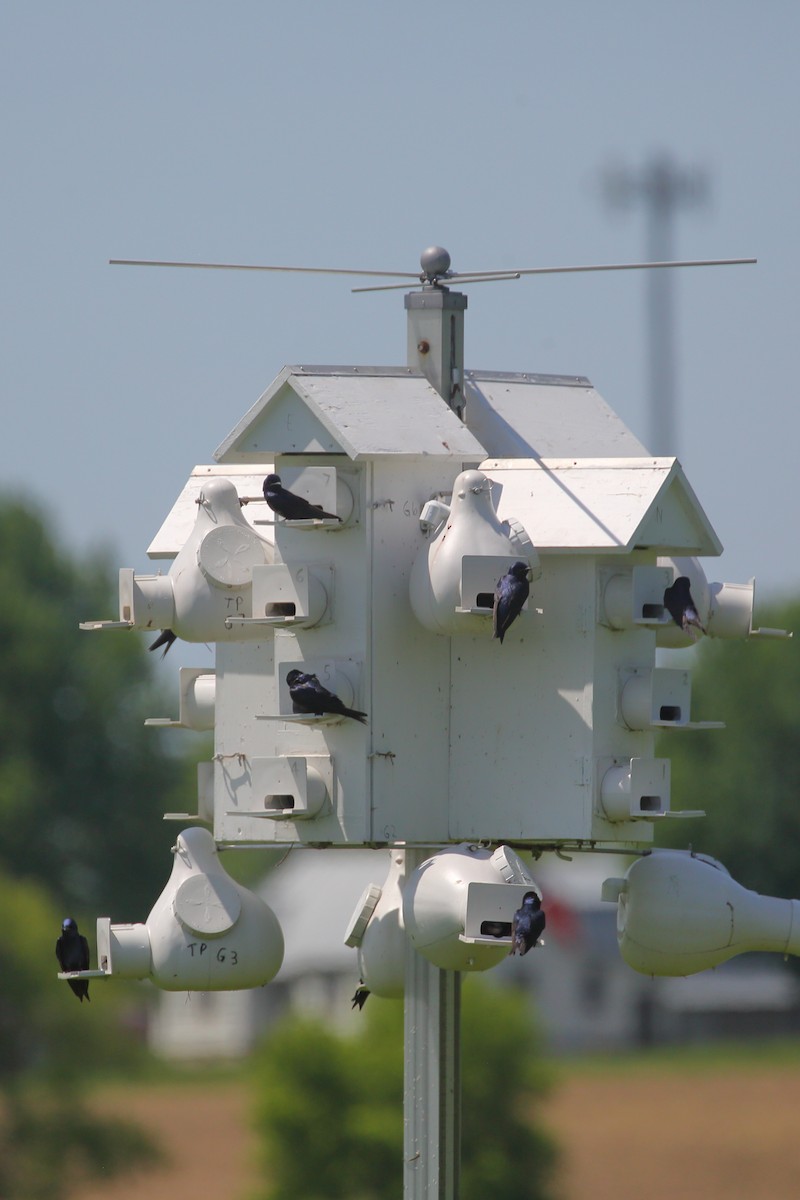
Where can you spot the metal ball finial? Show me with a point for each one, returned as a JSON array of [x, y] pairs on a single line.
[[435, 261]]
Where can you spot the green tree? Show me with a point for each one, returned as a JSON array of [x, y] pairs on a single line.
[[747, 776], [330, 1107], [83, 785], [50, 1047]]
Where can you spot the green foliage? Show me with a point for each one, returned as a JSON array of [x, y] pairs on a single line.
[[45, 1032], [49, 1046], [747, 776], [503, 1078], [50, 1145], [83, 784], [330, 1107]]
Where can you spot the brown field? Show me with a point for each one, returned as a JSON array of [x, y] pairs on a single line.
[[652, 1132], [721, 1133]]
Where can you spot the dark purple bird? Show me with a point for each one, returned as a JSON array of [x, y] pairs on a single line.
[[165, 639], [72, 952], [360, 997], [681, 607], [528, 924], [510, 594], [291, 507], [309, 696]]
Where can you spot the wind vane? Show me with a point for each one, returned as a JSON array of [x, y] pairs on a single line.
[[435, 273], [435, 313]]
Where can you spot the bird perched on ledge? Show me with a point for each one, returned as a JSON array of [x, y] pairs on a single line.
[[681, 607], [291, 507], [528, 924], [510, 594], [72, 952], [309, 696]]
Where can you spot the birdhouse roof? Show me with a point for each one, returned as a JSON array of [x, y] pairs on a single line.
[[538, 416], [363, 412], [179, 521], [603, 505]]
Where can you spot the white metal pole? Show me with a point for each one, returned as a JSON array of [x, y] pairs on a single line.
[[432, 1085]]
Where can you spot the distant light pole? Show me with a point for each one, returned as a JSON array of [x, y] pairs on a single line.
[[662, 186]]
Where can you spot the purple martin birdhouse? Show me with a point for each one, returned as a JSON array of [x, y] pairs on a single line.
[[435, 597]]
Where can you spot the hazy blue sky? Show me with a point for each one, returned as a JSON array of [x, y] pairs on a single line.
[[355, 134]]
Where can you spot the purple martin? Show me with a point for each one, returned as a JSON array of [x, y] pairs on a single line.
[[360, 998], [681, 607], [309, 696], [510, 594], [528, 924], [165, 639], [291, 507], [72, 952]]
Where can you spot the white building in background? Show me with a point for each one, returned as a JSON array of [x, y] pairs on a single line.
[[585, 996]]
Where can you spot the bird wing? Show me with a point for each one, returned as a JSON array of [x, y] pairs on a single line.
[[309, 697], [495, 612]]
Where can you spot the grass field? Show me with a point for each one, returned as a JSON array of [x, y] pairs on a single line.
[[681, 1125]]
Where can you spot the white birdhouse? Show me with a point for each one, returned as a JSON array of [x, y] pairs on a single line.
[[390, 607], [205, 932], [375, 684]]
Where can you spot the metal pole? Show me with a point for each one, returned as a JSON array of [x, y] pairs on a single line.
[[432, 1084], [663, 187], [431, 1031], [660, 313], [436, 341]]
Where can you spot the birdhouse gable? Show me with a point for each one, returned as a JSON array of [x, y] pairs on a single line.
[[603, 505], [675, 522], [361, 412]]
